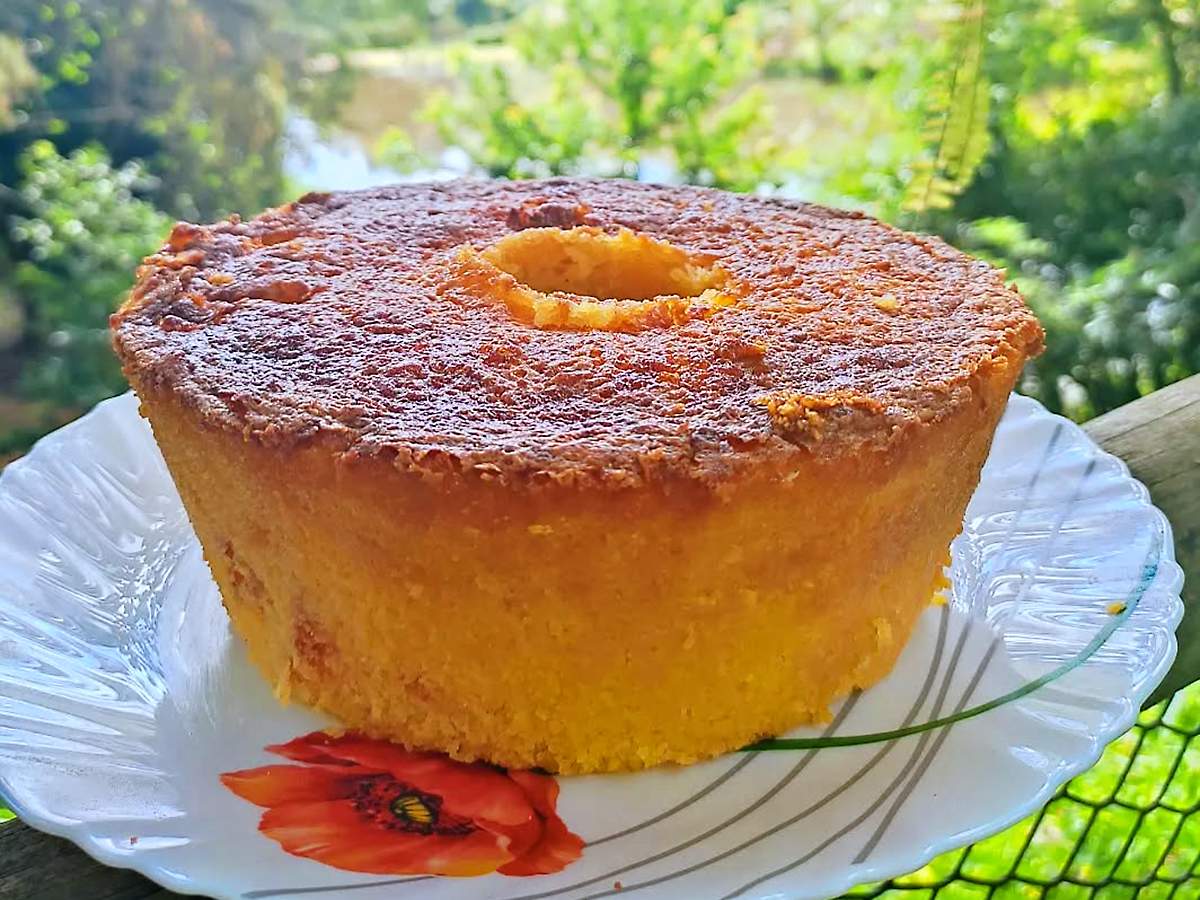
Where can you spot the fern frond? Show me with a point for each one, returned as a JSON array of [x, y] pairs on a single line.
[[956, 114]]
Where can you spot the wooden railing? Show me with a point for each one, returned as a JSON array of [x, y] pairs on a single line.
[[1158, 436]]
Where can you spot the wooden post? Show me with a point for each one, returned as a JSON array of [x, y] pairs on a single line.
[[1159, 438]]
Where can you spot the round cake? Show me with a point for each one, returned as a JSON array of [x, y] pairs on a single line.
[[577, 474]]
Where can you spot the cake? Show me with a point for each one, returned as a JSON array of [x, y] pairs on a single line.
[[582, 475]]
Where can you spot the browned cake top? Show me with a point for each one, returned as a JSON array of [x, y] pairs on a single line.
[[758, 328]]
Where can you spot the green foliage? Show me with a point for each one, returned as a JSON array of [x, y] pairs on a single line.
[[337, 27], [507, 137], [84, 231], [1091, 194], [955, 107], [1124, 331], [1066, 135], [835, 40], [1067, 64], [193, 88], [1148, 164], [613, 87], [186, 98], [219, 126], [620, 80], [1113, 334], [17, 77]]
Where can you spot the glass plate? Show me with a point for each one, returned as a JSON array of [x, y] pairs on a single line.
[[124, 698]]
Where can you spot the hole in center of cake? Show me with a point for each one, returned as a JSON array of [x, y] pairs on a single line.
[[589, 262]]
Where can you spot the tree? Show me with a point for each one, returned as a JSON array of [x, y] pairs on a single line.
[[1092, 199], [17, 78], [193, 87], [623, 79], [82, 232], [955, 107], [837, 40], [109, 113]]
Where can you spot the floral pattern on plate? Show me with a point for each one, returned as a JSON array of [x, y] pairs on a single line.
[[369, 806]]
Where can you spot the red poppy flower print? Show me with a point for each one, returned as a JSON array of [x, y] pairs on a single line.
[[369, 806]]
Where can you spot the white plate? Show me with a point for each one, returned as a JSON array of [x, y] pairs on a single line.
[[124, 697]]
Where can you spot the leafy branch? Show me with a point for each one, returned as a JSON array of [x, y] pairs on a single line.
[[956, 113]]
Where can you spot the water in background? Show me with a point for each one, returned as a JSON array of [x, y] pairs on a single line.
[[333, 159]]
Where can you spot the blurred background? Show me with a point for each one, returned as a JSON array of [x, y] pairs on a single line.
[[1058, 138]]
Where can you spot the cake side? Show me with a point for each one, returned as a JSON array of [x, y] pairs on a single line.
[[574, 630]]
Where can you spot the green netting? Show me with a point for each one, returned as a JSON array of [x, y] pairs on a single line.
[[1129, 827]]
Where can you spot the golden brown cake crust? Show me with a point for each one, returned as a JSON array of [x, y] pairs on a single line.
[[349, 319]]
